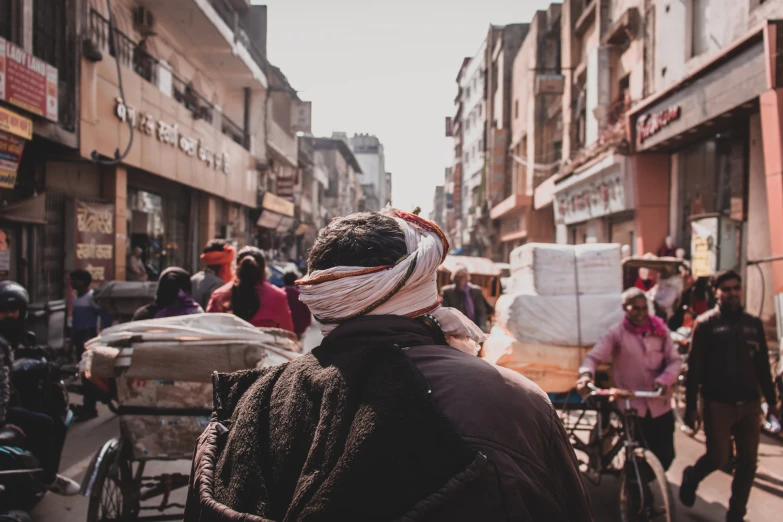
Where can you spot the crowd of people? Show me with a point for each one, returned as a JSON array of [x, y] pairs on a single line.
[[396, 395]]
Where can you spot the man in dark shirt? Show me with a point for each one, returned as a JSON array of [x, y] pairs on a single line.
[[729, 367]]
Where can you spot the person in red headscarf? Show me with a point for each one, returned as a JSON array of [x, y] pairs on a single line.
[[219, 258]]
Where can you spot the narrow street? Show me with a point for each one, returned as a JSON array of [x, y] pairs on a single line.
[[766, 501]]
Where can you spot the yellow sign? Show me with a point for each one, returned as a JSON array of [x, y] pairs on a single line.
[[14, 124], [701, 257], [277, 204]]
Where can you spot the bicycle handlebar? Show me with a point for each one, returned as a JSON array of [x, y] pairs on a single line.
[[595, 391]]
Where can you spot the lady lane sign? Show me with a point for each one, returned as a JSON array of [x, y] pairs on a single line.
[[27, 82]]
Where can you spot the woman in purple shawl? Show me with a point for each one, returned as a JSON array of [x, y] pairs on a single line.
[[172, 297]]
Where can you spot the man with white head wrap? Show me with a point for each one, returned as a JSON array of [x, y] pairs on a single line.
[[393, 417]]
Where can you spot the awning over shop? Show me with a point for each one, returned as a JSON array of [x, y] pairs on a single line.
[[474, 265], [29, 211], [277, 213]]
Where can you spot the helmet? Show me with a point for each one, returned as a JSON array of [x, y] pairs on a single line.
[[14, 296]]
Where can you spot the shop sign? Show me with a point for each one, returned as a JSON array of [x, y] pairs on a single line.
[[269, 219], [95, 239], [170, 135], [11, 148], [27, 82], [599, 197], [12, 123], [648, 125], [277, 204]]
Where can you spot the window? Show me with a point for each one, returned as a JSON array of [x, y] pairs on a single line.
[[50, 25], [6, 19], [700, 24], [516, 109]]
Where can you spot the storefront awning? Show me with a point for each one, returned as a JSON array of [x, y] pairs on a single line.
[[29, 211]]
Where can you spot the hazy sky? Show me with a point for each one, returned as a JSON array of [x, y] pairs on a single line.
[[386, 68]]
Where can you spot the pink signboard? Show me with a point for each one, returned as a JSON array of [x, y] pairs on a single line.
[[27, 82]]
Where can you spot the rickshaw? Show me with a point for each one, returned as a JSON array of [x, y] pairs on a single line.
[[483, 272], [162, 370]]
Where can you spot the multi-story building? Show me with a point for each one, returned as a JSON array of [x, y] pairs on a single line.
[[369, 153], [528, 115], [474, 119], [438, 206], [343, 194], [455, 130], [708, 138]]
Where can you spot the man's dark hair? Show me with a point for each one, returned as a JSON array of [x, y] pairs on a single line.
[[723, 276], [362, 239], [215, 245], [289, 278], [82, 275]]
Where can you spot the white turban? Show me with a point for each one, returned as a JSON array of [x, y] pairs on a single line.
[[407, 288]]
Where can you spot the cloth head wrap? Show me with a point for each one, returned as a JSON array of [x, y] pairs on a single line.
[[223, 259], [407, 288]]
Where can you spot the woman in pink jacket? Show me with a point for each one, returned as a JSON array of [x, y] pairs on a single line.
[[643, 359], [251, 297]]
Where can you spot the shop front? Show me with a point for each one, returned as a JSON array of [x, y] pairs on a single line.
[[597, 204], [721, 160]]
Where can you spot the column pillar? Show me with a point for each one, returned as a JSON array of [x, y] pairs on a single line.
[[207, 217], [115, 190], [651, 185], [771, 105]]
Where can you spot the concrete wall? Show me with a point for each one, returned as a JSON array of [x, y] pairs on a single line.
[[717, 23], [757, 229]]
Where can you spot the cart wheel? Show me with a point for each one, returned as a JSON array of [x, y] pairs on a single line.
[[649, 500], [111, 498]]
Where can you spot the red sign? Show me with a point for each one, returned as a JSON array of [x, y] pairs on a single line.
[[27, 82], [11, 148], [95, 240], [649, 125]]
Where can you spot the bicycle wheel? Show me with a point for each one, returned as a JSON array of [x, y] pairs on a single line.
[[645, 494]]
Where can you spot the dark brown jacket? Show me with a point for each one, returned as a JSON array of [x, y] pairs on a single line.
[[434, 435], [455, 298]]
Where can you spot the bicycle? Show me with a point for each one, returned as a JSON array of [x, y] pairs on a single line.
[[645, 494]]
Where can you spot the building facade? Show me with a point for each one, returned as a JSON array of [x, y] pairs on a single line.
[[343, 194], [709, 139], [533, 124], [368, 151]]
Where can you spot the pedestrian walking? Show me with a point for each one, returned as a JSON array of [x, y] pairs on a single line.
[[466, 298], [299, 312], [218, 257], [172, 297], [644, 359], [393, 417], [137, 270], [728, 365], [251, 297], [86, 316]]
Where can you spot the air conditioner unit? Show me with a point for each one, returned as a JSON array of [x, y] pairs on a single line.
[[143, 20]]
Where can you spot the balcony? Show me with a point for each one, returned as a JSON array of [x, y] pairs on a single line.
[[515, 202], [214, 33], [135, 57], [282, 143]]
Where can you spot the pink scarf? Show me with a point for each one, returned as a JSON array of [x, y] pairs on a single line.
[[653, 325]]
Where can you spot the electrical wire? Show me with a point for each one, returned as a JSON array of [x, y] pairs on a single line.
[[118, 158]]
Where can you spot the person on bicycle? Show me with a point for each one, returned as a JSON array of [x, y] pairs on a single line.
[[44, 435], [644, 359], [729, 367], [393, 417]]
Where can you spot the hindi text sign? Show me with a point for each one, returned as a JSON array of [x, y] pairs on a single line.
[[95, 240]]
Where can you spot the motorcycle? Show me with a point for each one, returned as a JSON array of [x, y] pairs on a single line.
[[36, 385]]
